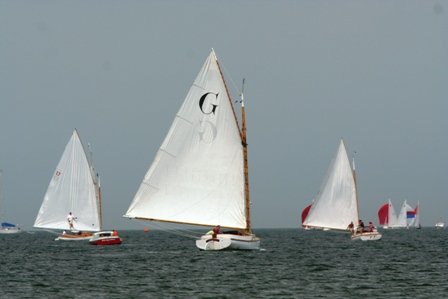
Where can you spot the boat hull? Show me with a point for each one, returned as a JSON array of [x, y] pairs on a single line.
[[105, 238], [74, 237], [367, 236], [228, 242], [440, 225], [106, 241], [8, 231]]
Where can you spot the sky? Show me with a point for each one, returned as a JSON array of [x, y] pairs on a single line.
[[372, 72]]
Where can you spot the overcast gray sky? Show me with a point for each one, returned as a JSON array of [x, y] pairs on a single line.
[[372, 72]]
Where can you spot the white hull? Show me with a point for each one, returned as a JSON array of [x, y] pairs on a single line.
[[367, 236], [74, 237], [229, 242], [440, 225], [8, 231]]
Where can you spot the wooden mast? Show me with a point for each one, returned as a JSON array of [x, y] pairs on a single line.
[[244, 143], [246, 164]]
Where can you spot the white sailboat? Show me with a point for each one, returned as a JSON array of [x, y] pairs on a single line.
[[74, 188], [6, 227], [336, 205], [402, 219], [200, 173], [387, 216]]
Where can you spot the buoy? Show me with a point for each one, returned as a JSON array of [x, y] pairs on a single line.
[[145, 229]]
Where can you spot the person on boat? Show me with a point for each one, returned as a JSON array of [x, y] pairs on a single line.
[[360, 228], [216, 231], [351, 227], [371, 227], [114, 233], [71, 219]]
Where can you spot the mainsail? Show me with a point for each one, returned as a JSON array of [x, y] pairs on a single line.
[[74, 188], [197, 176], [336, 204]]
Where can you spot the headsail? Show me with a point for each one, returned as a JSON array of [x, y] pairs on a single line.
[[197, 176], [73, 188], [336, 204]]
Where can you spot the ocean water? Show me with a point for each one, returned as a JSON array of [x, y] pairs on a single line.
[[293, 264]]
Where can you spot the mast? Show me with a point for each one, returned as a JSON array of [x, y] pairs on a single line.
[[356, 185], [244, 143], [246, 164]]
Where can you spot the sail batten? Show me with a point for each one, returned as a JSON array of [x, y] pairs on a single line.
[[197, 175]]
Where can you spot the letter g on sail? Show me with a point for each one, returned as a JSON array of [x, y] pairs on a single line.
[[212, 107]]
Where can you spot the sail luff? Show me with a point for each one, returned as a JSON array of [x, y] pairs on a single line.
[[243, 135], [228, 93]]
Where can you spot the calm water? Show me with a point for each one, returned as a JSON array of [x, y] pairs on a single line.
[[293, 264]]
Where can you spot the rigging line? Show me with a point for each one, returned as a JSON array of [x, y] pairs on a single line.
[[229, 77]]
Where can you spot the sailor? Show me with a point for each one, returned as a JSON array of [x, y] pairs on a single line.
[[351, 227], [216, 231], [71, 219], [371, 226]]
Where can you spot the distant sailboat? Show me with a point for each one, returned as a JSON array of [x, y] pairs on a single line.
[[402, 220], [413, 216], [336, 205], [200, 173], [74, 188], [6, 227], [387, 216]]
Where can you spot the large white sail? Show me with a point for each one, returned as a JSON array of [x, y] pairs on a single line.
[[197, 175], [336, 204], [73, 188]]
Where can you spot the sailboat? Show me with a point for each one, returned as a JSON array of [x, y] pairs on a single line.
[[336, 205], [200, 173], [387, 216], [413, 216], [74, 189], [6, 227]]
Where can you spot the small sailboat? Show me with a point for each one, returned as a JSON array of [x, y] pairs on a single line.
[[74, 189], [6, 227], [387, 216], [200, 173], [402, 219], [413, 216], [336, 205]]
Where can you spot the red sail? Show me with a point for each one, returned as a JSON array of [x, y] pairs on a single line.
[[305, 213], [383, 214]]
